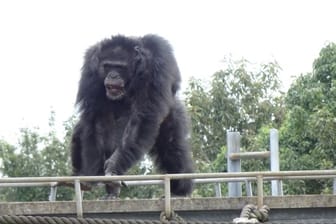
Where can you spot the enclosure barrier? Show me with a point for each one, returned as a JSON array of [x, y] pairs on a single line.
[[260, 177], [234, 158]]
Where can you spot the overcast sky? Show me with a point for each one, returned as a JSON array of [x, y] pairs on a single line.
[[42, 43]]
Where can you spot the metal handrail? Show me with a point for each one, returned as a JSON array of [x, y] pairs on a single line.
[[269, 174], [166, 178]]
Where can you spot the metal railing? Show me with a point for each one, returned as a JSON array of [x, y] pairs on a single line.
[[234, 157], [165, 179]]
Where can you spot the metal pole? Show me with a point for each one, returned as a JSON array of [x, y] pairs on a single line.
[[167, 210], [79, 206], [260, 191], [52, 194], [233, 146], [248, 188], [334, 187], [241, 176], [275, 167], [250, 155], [218, 190]]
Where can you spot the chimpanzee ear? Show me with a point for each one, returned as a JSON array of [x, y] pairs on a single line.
[[89, 82], [94, 62], [92, 59]]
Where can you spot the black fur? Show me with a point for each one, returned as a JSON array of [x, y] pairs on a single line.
[[128, 107]]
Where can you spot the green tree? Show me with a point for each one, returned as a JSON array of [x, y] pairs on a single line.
[[238, 98], [35, 155], [308, 137], [241, 98]]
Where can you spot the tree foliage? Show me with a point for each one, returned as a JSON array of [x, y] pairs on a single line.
[[240, 98], [35, 155], [308, 131]]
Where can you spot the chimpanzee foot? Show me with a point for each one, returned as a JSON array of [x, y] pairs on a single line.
[[87, 186], [112, 189]]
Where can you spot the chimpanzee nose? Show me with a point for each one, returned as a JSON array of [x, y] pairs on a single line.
[[113, 74]]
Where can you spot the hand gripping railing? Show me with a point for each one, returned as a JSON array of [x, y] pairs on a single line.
[[165, 179]]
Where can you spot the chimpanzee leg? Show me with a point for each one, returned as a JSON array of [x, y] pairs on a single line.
[[172, 153]]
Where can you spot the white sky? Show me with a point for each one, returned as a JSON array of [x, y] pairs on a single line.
[[42, 43]]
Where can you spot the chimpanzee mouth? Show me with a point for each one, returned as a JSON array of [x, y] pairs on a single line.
[[114, 92]]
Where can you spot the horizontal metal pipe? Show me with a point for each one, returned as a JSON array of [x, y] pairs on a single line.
[[38, 184], [196, 181], [250, 155], [265, 174], [218, 180], [315, 177], [133, 182], [160, 182]]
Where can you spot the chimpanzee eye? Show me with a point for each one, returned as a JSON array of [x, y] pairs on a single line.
[[114, 65], [107, 67]]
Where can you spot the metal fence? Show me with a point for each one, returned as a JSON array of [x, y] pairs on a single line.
[[259, 177], [235, 156]]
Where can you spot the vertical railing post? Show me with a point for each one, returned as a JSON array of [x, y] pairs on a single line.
[[167, 208], [218, 190], [260, 191], [53, 192], [79, 206], [248, 185], [233, 146], [275, 167], [334, 186]]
